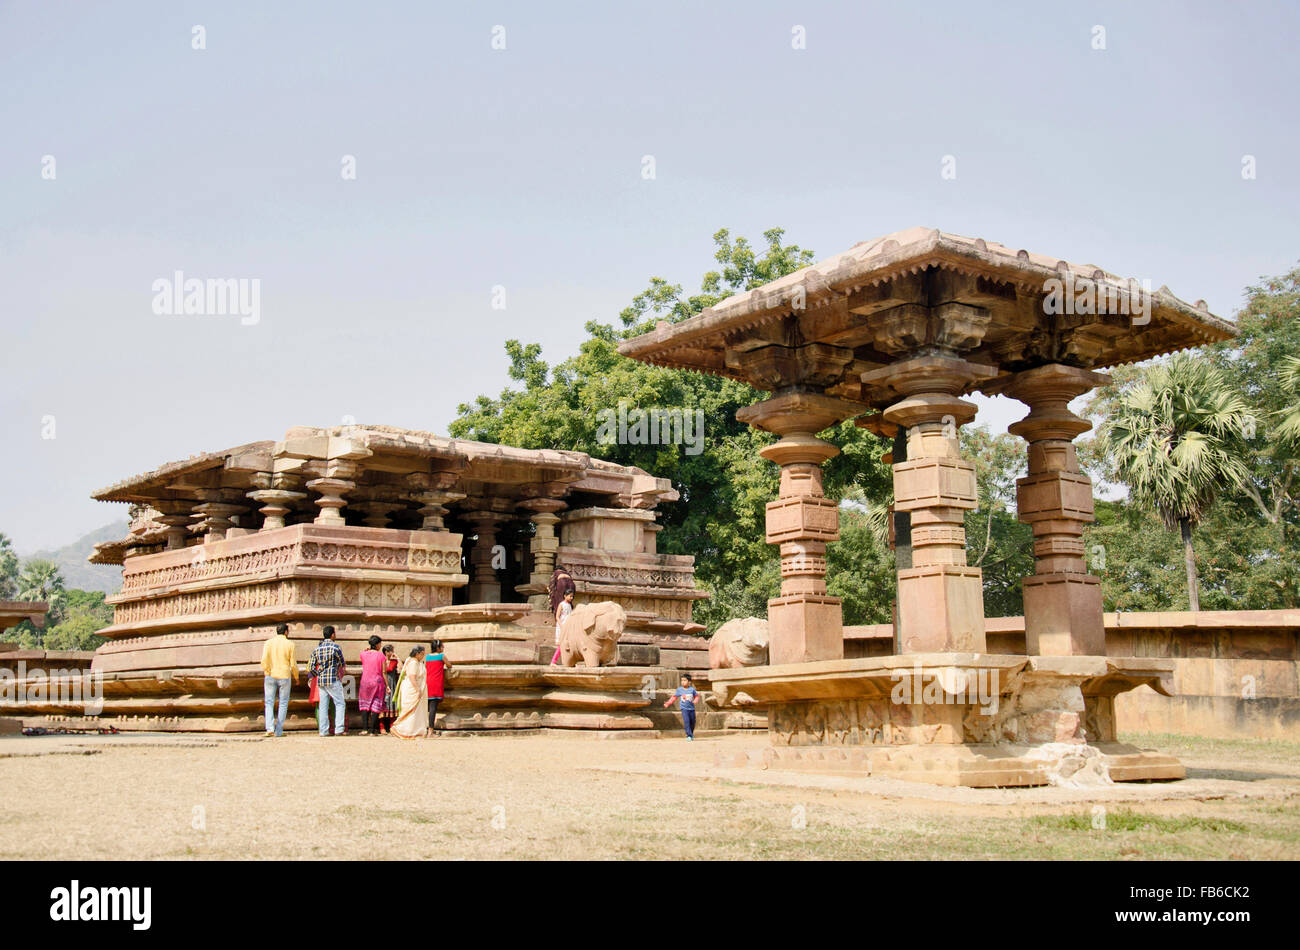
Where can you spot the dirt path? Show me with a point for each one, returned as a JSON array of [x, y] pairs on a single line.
[[560, 796]]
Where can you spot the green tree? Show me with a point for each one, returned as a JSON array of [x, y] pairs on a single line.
[[1137, 559], [725, 487], [860, 570], [40, 580], [996, 541], [1289, 414], [1174, 436], [83, 613], [1261, 364], [8, 570]]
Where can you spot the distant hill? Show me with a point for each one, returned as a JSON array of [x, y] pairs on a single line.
[[77, 572]]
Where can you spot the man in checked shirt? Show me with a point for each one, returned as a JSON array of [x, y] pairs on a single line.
[[328, 668]]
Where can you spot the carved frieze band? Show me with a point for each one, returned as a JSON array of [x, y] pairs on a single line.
[[852, 722], [202, 566], [633, 576], [313, 593]]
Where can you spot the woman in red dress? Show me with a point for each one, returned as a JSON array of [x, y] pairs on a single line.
[[436, 669]]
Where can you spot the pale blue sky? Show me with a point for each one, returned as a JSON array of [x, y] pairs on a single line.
[[521, 167]]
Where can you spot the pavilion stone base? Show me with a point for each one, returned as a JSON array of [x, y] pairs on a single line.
[[490, 698], [968, 719], [211, 680], [987, 766], [479, 698]]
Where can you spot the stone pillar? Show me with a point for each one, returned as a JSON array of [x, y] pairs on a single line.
[[332, 490], [544, 544], [276, 503], [432, 494], [650, 537], [940, 597], [331, 500], [484, 588], [1063, 605], [216, 517], [805, 623], [175, 515], [377, 513]]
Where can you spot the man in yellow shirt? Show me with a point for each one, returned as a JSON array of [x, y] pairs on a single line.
[[279, 667]]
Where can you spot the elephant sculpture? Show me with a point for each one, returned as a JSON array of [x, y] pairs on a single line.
[[590, 635], [739, 643]]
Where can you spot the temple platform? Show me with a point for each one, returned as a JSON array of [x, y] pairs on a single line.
[[479, 698]]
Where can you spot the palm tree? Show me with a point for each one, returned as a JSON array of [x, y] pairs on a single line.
[[40, 580], [1290, 425], [1175, 438]]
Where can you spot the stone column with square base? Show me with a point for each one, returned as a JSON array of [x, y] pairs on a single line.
[[805, 622], [1063, 605], [940, 597]]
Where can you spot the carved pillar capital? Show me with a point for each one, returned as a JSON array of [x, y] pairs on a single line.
[[276, 503], [377, 512], [216, 519], [332, 498], [177, 515]]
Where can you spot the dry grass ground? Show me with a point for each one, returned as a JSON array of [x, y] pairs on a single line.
[[549, 796]]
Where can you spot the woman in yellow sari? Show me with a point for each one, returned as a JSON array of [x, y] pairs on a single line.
[[412, 720]]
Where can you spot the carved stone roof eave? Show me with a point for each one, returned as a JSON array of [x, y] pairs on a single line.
[[136, 490], [871, 263]]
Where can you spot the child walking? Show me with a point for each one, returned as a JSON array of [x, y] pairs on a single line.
[[686, 696]]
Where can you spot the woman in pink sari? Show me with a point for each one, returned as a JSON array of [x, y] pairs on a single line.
[[370, 693]]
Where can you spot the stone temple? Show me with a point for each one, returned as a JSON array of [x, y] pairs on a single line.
[[402, 534], [411, 536]]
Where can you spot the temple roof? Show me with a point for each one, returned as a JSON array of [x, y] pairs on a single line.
[[845, 297], [14, 612], [385, 451], [388, 469]]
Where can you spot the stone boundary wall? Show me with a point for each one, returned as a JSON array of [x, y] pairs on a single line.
[[1236, 672]]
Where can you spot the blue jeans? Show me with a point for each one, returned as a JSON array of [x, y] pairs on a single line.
[[335, 692], [275, 719], [688, 721]]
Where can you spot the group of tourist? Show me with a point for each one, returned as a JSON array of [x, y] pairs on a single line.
[[401, 703], [395, 698]]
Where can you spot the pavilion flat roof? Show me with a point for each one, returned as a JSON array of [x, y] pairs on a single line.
[[386, 449], [1010, 283], [14, 612]]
